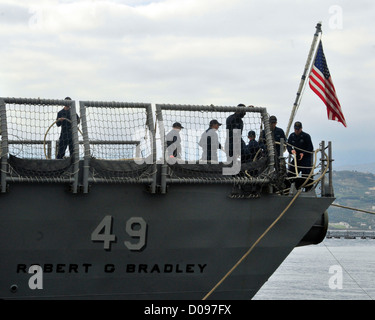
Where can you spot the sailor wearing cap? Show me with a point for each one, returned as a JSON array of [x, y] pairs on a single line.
[[300, 144], [252, 147], [210, 142], [174, 141], [277, 134]]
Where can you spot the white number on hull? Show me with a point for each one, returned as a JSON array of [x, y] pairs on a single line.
[[136, 227], [140, 233], [106, 226]]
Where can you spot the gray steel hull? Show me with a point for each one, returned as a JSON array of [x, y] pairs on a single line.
[[195, 234]]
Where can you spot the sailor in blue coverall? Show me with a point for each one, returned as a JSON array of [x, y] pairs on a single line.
[[300, 144], [64, 121]]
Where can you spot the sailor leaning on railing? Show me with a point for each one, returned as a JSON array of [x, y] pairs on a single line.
[[63, 120], [300, 146]]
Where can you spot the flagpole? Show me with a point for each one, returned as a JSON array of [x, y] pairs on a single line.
[[304, 77]]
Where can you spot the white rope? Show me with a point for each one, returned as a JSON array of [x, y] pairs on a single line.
[[45, 136]]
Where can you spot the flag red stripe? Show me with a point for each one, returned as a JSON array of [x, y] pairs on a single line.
[[332, 107], [321, 83], [325, 90]]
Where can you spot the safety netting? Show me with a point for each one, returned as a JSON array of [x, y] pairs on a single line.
[[195, 121], [213, 145], [30, 139], [119, 140], [122, 142]]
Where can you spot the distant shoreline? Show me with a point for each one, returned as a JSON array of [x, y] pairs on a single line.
[[364, 167], [350, 234]]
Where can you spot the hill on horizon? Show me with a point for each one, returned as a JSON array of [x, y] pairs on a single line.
[[364, 167], [356, 190]]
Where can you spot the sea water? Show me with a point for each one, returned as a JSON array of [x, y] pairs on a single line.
[[336, 269]]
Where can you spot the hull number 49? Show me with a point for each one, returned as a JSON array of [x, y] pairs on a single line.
[[135, 227]]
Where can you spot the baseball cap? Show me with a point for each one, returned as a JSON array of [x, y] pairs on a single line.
[[177, 125], [212, 122], [251, 133], [297, 125], [273, 119]]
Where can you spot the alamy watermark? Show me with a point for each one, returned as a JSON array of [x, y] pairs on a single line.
[[36, 280], [335, 282], [336, 19], [232, 150], [36, 18]]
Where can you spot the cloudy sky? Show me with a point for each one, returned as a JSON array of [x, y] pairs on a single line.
[[197, 52]]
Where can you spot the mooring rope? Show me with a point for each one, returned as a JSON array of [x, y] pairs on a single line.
[[265, 232], [253, 246], [345, 207]]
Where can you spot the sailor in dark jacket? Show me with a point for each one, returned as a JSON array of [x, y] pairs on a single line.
[[234, 121], [277, 135], [64, 121], [300, 145], [252, 147]]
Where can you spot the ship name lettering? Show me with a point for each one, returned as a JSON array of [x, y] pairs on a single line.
[[166, 268], [58, 268]]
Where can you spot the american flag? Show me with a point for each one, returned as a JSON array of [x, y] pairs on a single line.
[[321, 83]]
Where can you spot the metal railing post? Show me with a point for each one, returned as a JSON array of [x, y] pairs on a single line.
[[323, 166], [164, 166], [150, 123], [86, 146], [330, 184], [4, 145], [75, 157]]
